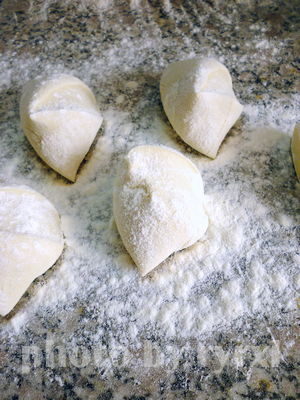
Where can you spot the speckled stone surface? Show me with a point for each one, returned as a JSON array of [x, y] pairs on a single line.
[[260, 44]]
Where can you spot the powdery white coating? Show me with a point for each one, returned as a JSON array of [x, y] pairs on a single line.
[[199, 102], [188, 297], [296, 149], [31, 241], [158, 204], [60, 118], [212, 285]]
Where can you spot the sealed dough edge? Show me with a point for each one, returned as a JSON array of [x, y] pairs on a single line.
[[158, 204], [199, 102], [296, 149], [60, 117], [31, 240]]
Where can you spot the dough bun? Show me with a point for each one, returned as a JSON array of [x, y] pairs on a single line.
[[296, 149], [158, 204], [31, 241], [60, 118], [200, 104]]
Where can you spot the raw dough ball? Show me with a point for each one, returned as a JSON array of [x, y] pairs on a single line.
[[296, 149], [31, 241], [158, 204], [60, 118], [199, 101]]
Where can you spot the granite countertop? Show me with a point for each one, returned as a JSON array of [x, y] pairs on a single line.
[[58, 342]]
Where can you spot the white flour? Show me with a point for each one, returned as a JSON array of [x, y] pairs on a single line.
[[237, 269], [246, 264]]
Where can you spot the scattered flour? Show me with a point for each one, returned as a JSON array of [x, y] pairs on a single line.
[[246, 264]]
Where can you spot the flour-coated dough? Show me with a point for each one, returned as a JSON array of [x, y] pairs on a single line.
[[158, 204], [31, 241], [296, 149], [60, 118], [199, 102]]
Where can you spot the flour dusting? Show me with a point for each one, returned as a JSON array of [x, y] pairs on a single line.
[[236, 269], [247, 263]]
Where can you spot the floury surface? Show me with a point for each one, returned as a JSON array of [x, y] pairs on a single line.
[[219, 320]]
